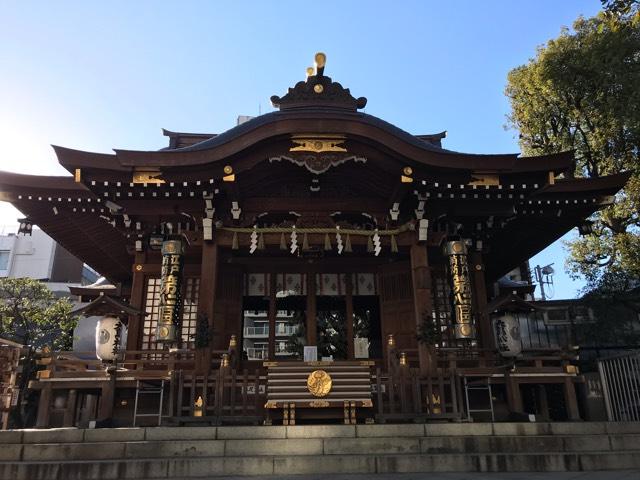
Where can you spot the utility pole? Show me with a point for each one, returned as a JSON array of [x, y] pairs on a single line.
[[543, 277]]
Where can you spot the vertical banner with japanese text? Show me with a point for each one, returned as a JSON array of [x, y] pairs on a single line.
[[461, 289], [170, 290]]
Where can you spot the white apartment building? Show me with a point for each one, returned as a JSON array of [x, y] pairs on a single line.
[[255, 341]]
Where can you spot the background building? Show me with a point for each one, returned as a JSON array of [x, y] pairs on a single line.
[[40, 257]]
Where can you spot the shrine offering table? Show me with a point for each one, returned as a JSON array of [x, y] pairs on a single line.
[[318, 389]]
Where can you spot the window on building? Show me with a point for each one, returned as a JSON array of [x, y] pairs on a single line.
[[4, 259]]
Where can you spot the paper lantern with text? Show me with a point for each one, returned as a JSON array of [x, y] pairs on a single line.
[[110, 339], [506, 329]]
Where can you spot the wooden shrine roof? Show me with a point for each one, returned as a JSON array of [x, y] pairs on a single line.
[[184, 139], [520, 204], [355, 126], [82, 223], [106, 305]]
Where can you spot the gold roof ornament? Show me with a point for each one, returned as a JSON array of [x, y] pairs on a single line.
[[150, 176], [320, 62], [320, 59], [489, 179], [317, 90], [318, 143]]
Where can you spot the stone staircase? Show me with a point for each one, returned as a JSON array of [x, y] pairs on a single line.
[[201, 452]]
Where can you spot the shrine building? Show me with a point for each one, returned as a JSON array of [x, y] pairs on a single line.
[[314, 263]]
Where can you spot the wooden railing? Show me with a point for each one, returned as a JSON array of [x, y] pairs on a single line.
[[135, 362], [453, 359], [405, 395], [230, 393], [223, 396]]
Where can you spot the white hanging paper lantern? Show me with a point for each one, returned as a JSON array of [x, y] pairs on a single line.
[[506, 330], [110, 338]]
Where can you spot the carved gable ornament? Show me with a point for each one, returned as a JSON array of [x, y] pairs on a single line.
[[318, 162], [318, 91], [318, 153]]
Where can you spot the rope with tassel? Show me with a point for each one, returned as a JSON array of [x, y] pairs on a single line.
[[329, 230], [373, 245]]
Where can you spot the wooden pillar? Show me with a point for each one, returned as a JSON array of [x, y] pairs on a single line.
[[87, 409], [349, 315], [514, 398], [312, 338], [135, 324], [70, 410], [42, 420], [107, 398], [543, 402], [206, 299], [422, 301], [476, 266], [571, 399], [272, 316]]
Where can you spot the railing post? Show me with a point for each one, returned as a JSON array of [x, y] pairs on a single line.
[[379, 392], [233, 352], [454, 393], [222, 374], [392, 357]]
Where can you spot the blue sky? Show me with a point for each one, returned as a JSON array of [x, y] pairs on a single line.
[[103, 75]]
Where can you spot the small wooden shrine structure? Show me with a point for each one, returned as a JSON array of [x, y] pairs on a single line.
[[315, 225]]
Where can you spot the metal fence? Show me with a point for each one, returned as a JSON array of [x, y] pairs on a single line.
[[620, 377]]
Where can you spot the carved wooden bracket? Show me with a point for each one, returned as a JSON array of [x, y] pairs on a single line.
[[318, 162]]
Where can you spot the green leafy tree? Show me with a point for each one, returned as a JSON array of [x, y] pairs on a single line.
[[615, 304], [296, 341], [31, 315], [202, 337], [332, 334], [621, 7], [581, 92], [428, 331]]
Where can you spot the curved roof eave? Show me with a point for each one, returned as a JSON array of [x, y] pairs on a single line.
[[608, 185], [71, 159], [310, 121], [13, 181]]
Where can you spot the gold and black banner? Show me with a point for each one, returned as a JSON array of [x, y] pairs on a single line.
[[461, 289], [170, 290]]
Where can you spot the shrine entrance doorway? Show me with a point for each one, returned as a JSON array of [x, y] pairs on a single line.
[[339, 313]]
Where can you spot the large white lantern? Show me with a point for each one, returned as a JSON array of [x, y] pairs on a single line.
[[111, 336], [506, 330]]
